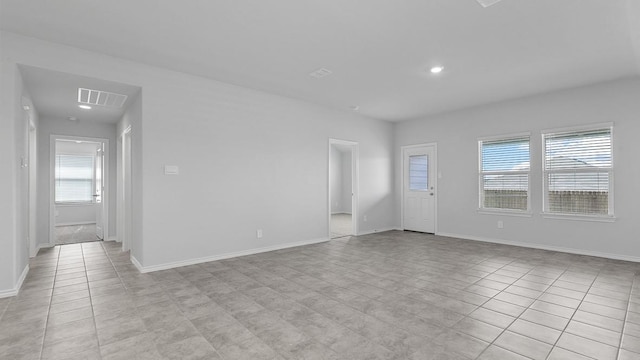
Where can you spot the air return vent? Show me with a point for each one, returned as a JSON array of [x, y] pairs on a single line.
[[101, 98]]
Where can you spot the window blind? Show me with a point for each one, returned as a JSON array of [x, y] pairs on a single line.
[[504, 173], [578, 170], [418, 172], [73, 178]]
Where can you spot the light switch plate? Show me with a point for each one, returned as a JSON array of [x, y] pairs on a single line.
[[171, 170]]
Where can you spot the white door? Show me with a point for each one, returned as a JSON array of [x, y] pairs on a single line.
[[98, 195], [419, 203]]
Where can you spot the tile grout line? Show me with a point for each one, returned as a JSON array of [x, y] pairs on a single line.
[[518, 317], [93, 317], [573, 314], [46, 322], [626, 316]]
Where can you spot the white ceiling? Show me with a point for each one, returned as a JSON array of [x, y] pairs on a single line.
[[378, 50], [55, 95]]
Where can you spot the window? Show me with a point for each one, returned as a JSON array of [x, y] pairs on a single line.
[[74, 179], [418, 172], [578, 172], [504, 173]]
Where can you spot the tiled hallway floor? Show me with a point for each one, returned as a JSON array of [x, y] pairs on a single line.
[[390, 295]]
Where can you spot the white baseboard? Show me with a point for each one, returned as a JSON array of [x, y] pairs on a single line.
[[340, 212], [544, 247], [43, 246], [16, 289], [76, 223], [136, 263], [112, 238], [171, 265], [368, 232]]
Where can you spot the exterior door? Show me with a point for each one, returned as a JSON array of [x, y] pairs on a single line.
[[419, 205], [98, 195]]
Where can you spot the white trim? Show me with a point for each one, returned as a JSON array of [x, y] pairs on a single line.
[[579, 217], [340, 212], [16, 289], [375, 231], [435, 182], [44, 246], [544, 247], [112, 238], [506, 137], [577, 128], [175, 264], [505, 212], [75, 223], [106, 173]]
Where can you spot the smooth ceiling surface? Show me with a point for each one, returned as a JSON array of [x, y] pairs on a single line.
[[55, 95], [378, 50]]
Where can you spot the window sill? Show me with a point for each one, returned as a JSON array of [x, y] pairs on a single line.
[[505, 213], [575, 217]]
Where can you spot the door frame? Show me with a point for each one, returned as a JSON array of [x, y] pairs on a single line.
[[33, 184], [355, 173], [52, 173], [403, 150], [124, 225]]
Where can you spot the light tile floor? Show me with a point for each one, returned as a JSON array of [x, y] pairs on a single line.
[[341, 225], [390, 295]]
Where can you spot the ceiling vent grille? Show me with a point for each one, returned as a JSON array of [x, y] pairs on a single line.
[[101, 98], [320, 73]]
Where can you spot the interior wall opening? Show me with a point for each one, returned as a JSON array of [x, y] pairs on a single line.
[[342, 189]]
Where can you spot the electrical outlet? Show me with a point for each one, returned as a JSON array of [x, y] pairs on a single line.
[[500, 224], [259, 233], [365, 218]]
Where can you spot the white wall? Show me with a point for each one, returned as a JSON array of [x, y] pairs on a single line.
[[457, 133], [52, 126], [14, 152], [247, 159], [336, 180], [347, 183], [132, 225]]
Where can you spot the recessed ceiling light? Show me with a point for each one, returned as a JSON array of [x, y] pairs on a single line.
[[320, 73], [487, 3], [437, 69], [73, 118], [86, 107]]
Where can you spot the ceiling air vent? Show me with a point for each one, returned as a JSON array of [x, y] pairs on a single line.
[[101, 98], [320, 73]]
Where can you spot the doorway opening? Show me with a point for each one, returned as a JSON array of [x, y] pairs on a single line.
[[343, 180], [79, 189], [419, 185]]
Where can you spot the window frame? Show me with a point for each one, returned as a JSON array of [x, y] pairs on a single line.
[[93, 181], [503, 211], [610, 216]]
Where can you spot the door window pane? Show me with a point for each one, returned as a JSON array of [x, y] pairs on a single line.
[[74, 179], [418, 172]]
